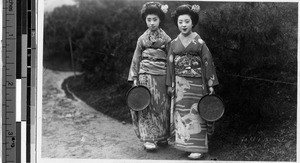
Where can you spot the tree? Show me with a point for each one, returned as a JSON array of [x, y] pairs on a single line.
[[103, 35], [256, 40]]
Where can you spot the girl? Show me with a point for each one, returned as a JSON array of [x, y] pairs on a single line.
[[190, 70], [148, 68]]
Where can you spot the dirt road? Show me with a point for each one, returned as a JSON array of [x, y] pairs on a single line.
[[72, 129]]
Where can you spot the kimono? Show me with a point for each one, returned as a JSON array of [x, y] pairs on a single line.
[[149, 67], [190, 68]]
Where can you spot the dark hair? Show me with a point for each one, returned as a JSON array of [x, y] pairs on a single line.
[[183, 10], [152, 8]]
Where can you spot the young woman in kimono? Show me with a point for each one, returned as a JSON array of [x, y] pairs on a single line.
[[190, 75], [148, 68]]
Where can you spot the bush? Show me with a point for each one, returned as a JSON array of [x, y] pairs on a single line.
[[253, 45], [102, 42]]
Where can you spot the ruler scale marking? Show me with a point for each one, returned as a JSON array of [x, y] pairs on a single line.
[[14, 79], [32, 110]]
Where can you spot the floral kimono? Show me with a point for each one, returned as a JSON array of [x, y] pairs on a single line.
[[149, 67], [190, 68]]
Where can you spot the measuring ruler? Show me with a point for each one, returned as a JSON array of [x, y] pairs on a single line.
[[9, 82], [18, 84]]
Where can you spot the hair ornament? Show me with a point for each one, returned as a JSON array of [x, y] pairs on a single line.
[[164, 8], [143, 8], [196, 8]]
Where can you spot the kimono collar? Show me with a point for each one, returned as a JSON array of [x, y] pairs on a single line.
[[154, 40], [159, 32]]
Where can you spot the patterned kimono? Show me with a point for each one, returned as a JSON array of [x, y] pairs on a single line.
[[149, 66], [191, 68]]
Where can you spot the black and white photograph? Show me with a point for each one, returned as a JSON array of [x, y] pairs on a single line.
[[169, 81]]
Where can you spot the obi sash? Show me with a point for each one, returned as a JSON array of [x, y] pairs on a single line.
[[153, 62]]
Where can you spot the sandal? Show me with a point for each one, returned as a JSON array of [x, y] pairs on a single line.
[[195, 156], [150, 146]]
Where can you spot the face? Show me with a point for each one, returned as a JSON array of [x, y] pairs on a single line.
[[185, 24], [152, 22]]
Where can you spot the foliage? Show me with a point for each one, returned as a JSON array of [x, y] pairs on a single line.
[[101, 39], [57, 30], [103, 34], [253, 40]]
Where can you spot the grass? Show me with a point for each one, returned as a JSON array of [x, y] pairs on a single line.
[[266, 141], [108, 99], [269, 137]]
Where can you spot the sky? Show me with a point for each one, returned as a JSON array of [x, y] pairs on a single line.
[[49, 5]]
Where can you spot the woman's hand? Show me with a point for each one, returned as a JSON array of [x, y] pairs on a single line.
[[135, 82], [211, 89], [170, 91]]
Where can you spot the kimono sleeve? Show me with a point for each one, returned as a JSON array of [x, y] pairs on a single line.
[[134, 67], [170, 74], [209, 67], [168, 40]]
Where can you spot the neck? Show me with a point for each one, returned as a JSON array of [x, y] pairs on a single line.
[[187, 34], [153, 31]]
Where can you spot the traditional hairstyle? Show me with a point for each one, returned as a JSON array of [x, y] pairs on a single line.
[[193, 11], [154, 8]]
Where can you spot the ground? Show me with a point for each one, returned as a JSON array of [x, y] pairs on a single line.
[[73, 129]]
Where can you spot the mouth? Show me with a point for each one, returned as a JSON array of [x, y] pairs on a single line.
[[184, 29]]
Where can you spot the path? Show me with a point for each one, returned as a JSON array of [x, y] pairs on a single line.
[[72, 129]]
